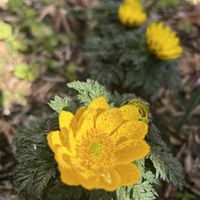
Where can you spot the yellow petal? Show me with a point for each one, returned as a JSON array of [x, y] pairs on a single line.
[[90, 182], [110, 180], [68, 176], [99, 103], [129, 173], [133, 2], [80, 112], [109, 120], [87, 121], [66, 120], [131, 130], [67, 137], [130, 112], [54, 140], [163, 42], [131, 150], [131, 13], [62, 156]]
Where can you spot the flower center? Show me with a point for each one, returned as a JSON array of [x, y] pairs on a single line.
[[95, 149]]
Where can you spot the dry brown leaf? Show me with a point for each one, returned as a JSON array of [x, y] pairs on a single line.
[[7, 130], [194, 17]]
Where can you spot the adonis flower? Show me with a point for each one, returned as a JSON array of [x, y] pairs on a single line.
[[163, 42], [131, 13], [96, 147]]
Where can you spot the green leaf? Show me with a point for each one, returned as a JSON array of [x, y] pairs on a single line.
[[41, 30], [169, 2], [15, 5], [70, 72], [166, 166], [144, 191], [89, 90], [5, 31], [26, 72], [58, 103]]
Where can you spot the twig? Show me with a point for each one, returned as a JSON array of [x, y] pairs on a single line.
[[5, 176], [6, 187], [181, 151], [169, 191], [195, 191]]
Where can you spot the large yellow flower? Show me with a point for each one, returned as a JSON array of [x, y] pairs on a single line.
[[163, 42], [96, 148], [131, 13]]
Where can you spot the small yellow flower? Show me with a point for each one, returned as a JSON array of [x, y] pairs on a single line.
[[97, 146], [131, 13], [163, 42]]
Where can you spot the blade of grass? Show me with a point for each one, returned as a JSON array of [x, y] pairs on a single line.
[[194, 102]]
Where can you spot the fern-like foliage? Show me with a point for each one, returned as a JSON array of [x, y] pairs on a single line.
[[166, 166], [58, 103], [89, 90], [37, 176], [118, 56]]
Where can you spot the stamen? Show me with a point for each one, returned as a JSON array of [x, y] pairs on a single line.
[[96, 149]]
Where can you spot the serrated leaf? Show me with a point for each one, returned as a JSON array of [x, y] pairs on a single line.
[[58, 103], [166, 166], [89, 90]]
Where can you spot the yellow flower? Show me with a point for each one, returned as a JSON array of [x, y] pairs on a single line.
[[131, 13], [163, 42], [96, 148]]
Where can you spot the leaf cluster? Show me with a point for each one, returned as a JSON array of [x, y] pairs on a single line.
[[119, 58], [166, 166]]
